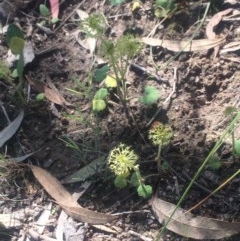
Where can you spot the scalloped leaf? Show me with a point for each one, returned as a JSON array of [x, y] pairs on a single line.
[[98, 105], [120, 182], [101, 94], [110, 82], [150, 95], [144, 191], [134, 180]]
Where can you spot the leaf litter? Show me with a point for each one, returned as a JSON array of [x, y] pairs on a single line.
[[191, 226], [56, 190]]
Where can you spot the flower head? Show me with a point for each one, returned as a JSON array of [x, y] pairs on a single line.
[[122, 160], [160, 134]]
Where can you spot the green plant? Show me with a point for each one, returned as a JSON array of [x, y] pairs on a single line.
[[226, 134], [161, 136], [118, 54], [150, 95], [99, 103], [4, 71], [164, 8], [16, 43], [45, 13], [117, 2], [215, 162], [122, 161]]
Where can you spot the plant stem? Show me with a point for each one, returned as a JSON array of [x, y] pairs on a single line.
[[121, 85], [159, 158]]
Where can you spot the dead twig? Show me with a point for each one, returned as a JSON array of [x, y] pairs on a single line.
[[142, 237], [145, 71], [37, 236]]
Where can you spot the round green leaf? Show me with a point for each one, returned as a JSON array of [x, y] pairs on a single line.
[[101, 73], [13, 31], [110, 82], [44, 10], [16, 45], [134, 180], [120, 182], [215, 162], [98, 105], [150, 95], [40, 97], [144, 191], [14, 73], [54, 20], [101, 94]]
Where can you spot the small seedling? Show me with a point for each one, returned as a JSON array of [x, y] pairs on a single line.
[[40, 97], [16, 42], [215, 162], [99, 100], [4, 71], [165, 8], [101, 73], [45, 13], [122, 161], [150, 95], [160, 135]]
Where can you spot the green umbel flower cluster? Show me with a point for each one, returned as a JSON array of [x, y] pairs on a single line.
[[122, 160], [160, 134]]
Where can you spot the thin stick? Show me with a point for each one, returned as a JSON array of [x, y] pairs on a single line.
[[142, 237]]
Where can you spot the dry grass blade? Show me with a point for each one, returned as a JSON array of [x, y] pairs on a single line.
[[184, 45], [56, 190], [191, 226]]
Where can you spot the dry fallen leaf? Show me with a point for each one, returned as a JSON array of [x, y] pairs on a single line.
[[214, 21], [184, 45], [56, 190], [191, 226], [87, 216], [50, 93], [11, 129]]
